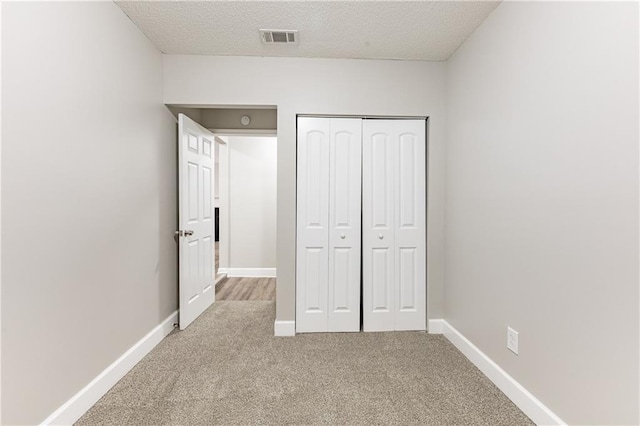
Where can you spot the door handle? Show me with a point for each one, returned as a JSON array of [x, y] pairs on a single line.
[[188, 233], [343, 236], [380, 236]]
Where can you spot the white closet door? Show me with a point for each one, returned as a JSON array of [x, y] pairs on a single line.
[[344, 224], [410, 225], [312, 251], [394, 225], [378, 168]]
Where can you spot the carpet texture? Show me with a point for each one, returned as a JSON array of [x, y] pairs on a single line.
[[227, 368]]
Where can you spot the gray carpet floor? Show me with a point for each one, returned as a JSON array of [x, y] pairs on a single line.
[[227, 368]]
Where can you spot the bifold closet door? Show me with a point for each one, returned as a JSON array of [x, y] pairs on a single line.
[[394, 225], [328, 224]]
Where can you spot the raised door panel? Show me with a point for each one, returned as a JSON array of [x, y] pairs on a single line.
[[410, 225], [193, 193], [344, 224], [206, 226], [191, 252], [313, 265], [207, 204], [312, 242], [378, 156], [314, 146], [407, 272], [192, 281], [381, 268]]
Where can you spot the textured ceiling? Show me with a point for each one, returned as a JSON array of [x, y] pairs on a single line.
[[422, 30]]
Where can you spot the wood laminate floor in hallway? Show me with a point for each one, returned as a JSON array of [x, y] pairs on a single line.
[[246, 289]]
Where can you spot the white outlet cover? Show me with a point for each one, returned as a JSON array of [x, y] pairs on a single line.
[[512, 340]]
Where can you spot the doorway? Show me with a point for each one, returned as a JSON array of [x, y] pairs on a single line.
[[251, 221], [239, 262]]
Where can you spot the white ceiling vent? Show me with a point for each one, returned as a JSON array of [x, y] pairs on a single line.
[[279, 36]]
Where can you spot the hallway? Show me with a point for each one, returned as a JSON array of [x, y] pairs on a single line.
[[244, 288]]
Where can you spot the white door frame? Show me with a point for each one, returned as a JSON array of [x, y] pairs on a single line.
[[223, 205]]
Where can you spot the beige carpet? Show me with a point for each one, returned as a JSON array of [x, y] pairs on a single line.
[[227, 368]]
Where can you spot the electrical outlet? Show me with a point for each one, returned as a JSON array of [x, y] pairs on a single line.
[[512, 340]]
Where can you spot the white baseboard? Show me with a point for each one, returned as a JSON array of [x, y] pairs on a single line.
[[223, 270], [220, 278], [435, 326], [251, 272], [80, 403], [284, 328], [522, 398]]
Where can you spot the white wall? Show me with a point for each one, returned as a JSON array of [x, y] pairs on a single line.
[[542, 201], [89, 201], [222, 118], [323, 86], [253, 200]]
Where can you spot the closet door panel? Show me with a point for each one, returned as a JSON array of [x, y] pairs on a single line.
[[410, 225], [312, 251], [344, 224], [378, 159]]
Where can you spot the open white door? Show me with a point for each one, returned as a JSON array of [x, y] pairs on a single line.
[[196, 219]]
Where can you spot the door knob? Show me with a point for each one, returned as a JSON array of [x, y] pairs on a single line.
[[188, 233], [380, 236], [343, 236]]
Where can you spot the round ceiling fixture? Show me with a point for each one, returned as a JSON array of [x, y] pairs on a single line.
[[245, 120]]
